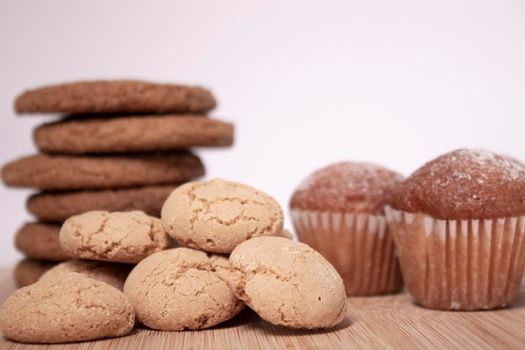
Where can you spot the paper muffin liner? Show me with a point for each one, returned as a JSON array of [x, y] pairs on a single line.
[[358, 245], [459, 264]]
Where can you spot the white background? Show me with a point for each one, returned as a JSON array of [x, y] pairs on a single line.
[[306, 83]]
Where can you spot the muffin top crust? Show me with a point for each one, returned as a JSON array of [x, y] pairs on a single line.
[[464, 184], [346, 187]]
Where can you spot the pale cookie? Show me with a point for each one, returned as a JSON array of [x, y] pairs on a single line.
[[181, 289], [28, 271], [217, 215], [113, 274], [288, 283], [117, 96], [58, 206], [286, 234], [132, 134], [70, 309], [126, 237], [38, 240]]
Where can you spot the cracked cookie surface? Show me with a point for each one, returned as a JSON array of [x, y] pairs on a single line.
[[113, 274], [70, 309], [288, 283], [182, 288], [126, 237], [217, 215]]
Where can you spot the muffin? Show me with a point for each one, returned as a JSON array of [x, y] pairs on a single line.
[[458, 223], [339, 211]]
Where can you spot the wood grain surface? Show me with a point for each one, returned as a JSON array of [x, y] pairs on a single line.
[[388, 322]]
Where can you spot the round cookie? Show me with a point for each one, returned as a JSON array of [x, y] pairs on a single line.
[[28, 271], [58, 172], [288, 283], [70, 309], [132, 134], [181, 289], [217, 215], [39, 240], [58, 206], [118, 96], [286, 234], [126, 237], [113, 274]]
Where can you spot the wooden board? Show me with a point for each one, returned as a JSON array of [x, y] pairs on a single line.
[[376, 322]]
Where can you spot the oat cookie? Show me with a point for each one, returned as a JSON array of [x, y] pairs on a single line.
[[288, 283], [181, 289], [58, 206], [113, 274], [39, 240], [59, 172], [70, 309], [118, 96], [217, 215], [126, 237], [132, 134]]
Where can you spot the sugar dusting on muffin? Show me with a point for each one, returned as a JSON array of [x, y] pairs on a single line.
[[465, 184], [346, 186]]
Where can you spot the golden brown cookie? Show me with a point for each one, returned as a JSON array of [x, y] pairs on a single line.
[[28, 271], [70, 309], [101, 172], [58, 206], [126, 237], [288, 283], [118, 96], [113, 274], [181, 289], [132, 134], [39, 240], [217, 215]]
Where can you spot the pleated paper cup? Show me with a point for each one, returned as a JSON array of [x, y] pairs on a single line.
[[358, 245], [459, 264]]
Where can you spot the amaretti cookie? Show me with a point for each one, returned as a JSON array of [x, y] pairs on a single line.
[[458, 223], [113, 274], [286, 234], [181, 289], [58, 206], [339, 211], [125, 237], [39, 240], [217, 215], [118, 96], [28, 271], [132, 134], [70, 309], [61, 172], [287, 283]]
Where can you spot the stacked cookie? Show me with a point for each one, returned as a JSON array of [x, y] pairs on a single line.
[[232, 257], [121, 145]]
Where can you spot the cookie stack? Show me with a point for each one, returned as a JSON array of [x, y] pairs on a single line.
[[120, 146]]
